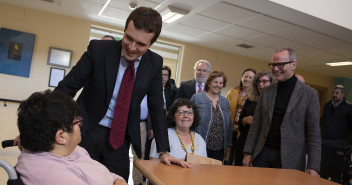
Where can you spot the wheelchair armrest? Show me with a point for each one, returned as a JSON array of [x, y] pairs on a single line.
[[7, 143], [9, 169]]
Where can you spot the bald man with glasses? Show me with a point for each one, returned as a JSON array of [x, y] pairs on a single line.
[[286, 121]]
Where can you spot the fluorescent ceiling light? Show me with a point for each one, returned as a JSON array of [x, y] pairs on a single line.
[[339, 63], [171, 14]]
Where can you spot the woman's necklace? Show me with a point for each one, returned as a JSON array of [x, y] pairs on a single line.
[[183, 145]]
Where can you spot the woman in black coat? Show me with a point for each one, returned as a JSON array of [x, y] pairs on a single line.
[[262, 79]]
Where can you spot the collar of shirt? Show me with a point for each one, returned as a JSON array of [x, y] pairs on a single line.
[[124, 62], [200, 84], [337, 104]]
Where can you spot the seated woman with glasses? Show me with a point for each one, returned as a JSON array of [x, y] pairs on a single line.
[[49, 134], [182, 119]]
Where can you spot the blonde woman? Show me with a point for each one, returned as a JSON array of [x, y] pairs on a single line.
[[236, 97]]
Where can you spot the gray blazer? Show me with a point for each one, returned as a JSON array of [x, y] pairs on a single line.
[[300, 132]]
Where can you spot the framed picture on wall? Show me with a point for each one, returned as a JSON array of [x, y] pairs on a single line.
[[56, 75], [16, 50], [59, 57]]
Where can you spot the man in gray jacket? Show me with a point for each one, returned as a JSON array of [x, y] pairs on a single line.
[[286, 121]]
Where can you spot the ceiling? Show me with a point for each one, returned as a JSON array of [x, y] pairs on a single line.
[[223, 25]]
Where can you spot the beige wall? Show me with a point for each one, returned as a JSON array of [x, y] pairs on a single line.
[[233, 66], [73, 34]]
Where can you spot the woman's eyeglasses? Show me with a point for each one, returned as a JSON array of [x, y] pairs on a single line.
[[262, 81], [183, 112], [79, 121]]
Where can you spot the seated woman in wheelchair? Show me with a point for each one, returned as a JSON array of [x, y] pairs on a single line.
[[49, 134]]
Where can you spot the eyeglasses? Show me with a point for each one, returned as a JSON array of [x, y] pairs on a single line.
[[262, 81], [280, 65], [79, 121], [202, 70], [183, 112]]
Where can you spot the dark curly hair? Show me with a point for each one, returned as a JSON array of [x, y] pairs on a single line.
[[146, 19], [170, 120], [41, 116], [212, 76]]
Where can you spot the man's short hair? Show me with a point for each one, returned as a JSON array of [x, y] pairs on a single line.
[[108, 37], [41, 116], [341, 87], [290, 51], [204, 62], [168, 69], [146, 19]]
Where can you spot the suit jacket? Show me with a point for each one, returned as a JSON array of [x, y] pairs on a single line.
[[299, 129], [96, 72], [186, 90]]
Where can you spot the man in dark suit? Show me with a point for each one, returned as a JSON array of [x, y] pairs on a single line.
[[336, 130], [202, 69], [286, 121], [100, 72]]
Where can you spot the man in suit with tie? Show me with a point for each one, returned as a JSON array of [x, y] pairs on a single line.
[[115, 76], [202, 69], [286, 121]]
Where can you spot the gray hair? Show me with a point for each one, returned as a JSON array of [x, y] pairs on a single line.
[[291, 53], [202, 61]]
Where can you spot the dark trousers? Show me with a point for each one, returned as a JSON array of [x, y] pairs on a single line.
[[268, 158], [332, 162], [99, 149], [232, 152], [147, 148], [216, 154]]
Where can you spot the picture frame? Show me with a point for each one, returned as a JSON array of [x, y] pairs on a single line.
[[56, 75], [16, 50], [59, 57]]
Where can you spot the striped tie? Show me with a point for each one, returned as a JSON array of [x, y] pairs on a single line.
[[119, 120], [199, 88]]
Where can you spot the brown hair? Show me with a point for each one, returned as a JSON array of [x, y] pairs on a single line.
[[146, 19], [212, 76], [253, 91]]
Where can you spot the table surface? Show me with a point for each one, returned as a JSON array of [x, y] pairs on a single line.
[[159, 174]]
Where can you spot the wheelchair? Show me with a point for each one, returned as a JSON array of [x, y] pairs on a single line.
[[337, 165], [14, 178]]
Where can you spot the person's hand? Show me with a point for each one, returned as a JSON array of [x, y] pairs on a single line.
[[312, 172], [168, 159], [120, 182], [247, 160], [248, 120], [151, 134], [17, 142]]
